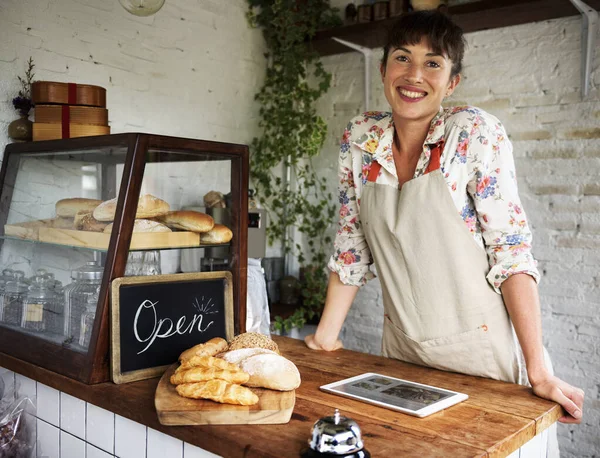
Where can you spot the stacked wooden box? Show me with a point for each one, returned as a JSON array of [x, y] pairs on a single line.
[[68, 110]]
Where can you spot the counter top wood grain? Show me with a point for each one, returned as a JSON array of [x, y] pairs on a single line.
[[497, 419]]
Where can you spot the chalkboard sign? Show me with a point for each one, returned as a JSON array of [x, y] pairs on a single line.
[[155, 318]]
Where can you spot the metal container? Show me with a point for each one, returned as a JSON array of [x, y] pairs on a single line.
[[337, 436]]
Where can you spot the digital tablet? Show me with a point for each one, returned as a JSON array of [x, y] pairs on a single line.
[[396, 394]]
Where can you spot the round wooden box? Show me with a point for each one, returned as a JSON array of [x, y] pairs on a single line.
[[51, 92], [72, 114]]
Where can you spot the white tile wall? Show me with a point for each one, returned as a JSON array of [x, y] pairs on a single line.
[[94, 452], [72, 415], [191, 451], [25, 387], [48, 406], [161, 445], [71, 446], [48, 441], [8, 381], [100, 429], [130, 438]]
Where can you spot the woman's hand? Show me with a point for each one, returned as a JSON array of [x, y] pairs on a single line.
[[569, 397], [312, 343]]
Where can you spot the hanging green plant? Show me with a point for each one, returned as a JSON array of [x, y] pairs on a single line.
[[293, 134]]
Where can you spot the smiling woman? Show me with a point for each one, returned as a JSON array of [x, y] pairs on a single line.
[[428, 195]]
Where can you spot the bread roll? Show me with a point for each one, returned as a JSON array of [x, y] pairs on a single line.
[[209, 348], [143, 225], [214, 199], [253, 340], [218, 234], [148, 207], [68, 207], [187, 220], [201, 374], [236, 356], [218, 391], [271, 371], [84, 221]]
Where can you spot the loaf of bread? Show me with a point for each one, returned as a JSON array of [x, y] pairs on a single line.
[[236, 356], [201, 374], [187, 220], [253, 340], [207, 361], [219, 391], [271, 371], [148, 207], [68, 207], [209, 348], [84, 221], [214, 199], [143, 225], [218, 234], [61, 223]]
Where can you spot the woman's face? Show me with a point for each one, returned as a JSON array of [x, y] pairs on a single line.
[[416, 80]]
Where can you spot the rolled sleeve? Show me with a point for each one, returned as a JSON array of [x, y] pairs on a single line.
[[352, 256], [503, 222]]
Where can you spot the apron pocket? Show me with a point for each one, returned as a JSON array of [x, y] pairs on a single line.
[[468, 352]]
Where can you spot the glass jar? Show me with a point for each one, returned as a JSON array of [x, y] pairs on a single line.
[[13, 298], [86, 280], [7, 274], [38, 304], [87, 320]]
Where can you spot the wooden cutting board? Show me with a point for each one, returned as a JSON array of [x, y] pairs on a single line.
[[274, 407]]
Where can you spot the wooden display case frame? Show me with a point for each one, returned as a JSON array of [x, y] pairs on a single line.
[[94, 366]]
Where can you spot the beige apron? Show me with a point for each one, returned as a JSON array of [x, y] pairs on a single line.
[[440, 311]]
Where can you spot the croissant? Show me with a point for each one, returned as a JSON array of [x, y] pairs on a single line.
[[210, 348], [207, 361], [201, 374], [219, 391]]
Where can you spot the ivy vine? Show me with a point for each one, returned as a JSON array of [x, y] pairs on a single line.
[[292, 135]]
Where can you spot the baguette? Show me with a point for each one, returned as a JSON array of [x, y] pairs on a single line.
[[67, 208], [210, 348], [218, 234], [148, 207], [219, 391], [187, 221], [207, 361], [201, 374]]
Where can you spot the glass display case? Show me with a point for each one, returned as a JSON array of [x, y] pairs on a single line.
[[76, 214]]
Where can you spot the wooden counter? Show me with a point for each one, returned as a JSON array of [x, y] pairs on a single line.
[[497, 418]]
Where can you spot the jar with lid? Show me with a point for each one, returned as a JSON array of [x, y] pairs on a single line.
[[54, 310], [7, 274], [13, 298], [86, 280], [87, 319], [38, 304]]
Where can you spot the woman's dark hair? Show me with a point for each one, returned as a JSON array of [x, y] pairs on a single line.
[[444, 36]]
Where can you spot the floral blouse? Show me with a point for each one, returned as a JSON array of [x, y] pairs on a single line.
[[478, 166]]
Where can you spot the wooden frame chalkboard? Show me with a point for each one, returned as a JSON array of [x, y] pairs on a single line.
[[154, 319]]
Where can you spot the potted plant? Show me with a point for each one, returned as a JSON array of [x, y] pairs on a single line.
[[21, 129], [292, 135]]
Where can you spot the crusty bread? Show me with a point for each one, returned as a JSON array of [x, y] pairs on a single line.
[[84, 221], [68, 207], [201, 374], [271, 371], [214, 199], [218, 234], [143, 225], [187, 220], [61, 223], [236, 356], [219, 391], [209, 348], [207, 361], [253, 340], [148, 207]]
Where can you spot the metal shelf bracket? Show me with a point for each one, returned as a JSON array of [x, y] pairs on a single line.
[[589, 30], [368, 55]]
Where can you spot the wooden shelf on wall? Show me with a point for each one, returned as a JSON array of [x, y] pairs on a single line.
[[472, 17]]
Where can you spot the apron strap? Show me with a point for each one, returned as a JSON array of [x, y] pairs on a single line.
[[373, 172], [434, 159]]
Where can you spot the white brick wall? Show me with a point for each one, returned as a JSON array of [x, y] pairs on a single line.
[[529, 77]]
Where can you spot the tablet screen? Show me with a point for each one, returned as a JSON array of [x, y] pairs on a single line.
[[393, 391]]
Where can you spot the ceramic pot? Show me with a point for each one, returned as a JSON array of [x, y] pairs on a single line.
[[21, 129]]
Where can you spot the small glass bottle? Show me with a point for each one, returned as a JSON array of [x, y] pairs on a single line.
[[38, 304], [87, 320], [86, 280], [13, 298]]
